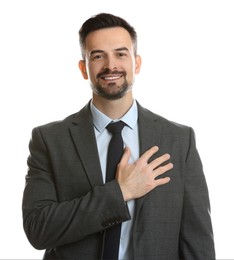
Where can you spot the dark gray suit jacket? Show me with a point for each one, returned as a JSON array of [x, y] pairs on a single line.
[[66, 207]]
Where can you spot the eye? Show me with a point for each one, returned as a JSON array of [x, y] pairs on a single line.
[[122, 54], [97, 57]]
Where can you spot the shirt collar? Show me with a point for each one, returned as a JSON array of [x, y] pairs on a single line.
[[100, 120]]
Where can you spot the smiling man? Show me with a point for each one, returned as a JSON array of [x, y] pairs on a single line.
[[151, 203], [111, 64]]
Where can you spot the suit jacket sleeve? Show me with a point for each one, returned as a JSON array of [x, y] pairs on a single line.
[[50, 223], [196, 237]]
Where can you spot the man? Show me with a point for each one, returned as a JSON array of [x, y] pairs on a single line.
[[159, 195]]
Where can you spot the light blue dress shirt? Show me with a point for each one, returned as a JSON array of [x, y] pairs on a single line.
[[131, 140]]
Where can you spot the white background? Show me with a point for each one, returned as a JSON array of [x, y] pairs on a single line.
[[187, 75]]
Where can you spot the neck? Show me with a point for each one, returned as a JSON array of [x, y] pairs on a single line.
[[114, 109]]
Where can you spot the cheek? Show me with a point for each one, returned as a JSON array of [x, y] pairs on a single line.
[[93, 71], [131, 70]]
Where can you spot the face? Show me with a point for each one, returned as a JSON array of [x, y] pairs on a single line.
[[110, 63]]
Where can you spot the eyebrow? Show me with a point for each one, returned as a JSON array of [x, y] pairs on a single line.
[[121, 49], [101, 51]]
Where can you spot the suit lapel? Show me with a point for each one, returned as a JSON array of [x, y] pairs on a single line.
[[149, 135], [85, 142], [149, 130]]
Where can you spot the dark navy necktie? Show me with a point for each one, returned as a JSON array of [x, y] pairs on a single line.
[[115, 152]]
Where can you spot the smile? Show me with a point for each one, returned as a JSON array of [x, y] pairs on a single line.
[[111, 77]]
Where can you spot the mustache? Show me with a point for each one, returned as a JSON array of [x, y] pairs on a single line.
[[110, 72]]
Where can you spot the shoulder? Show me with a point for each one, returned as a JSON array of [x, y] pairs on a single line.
[[166, 124], [67, 122], [170, 132]]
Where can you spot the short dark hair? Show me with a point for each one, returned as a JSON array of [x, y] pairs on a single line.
[[102, 21]]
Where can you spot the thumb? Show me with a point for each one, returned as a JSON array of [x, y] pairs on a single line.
[[126, 156]]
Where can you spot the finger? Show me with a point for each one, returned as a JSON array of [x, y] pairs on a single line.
[[161, 170], [146, 156], [158, 161], [125, 157], [162, 181]]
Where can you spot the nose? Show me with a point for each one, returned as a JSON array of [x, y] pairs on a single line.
[[110, 64]]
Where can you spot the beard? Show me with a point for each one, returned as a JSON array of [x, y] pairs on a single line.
[[112, 91]]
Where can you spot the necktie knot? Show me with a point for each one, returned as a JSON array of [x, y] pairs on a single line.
[[115, 127]]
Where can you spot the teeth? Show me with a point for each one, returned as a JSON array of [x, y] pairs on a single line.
[[111, 78]]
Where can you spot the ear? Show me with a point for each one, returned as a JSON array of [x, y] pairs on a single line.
[[82, 68], [138, 64]]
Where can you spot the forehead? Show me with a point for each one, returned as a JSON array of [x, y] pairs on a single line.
[[108, 39]]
